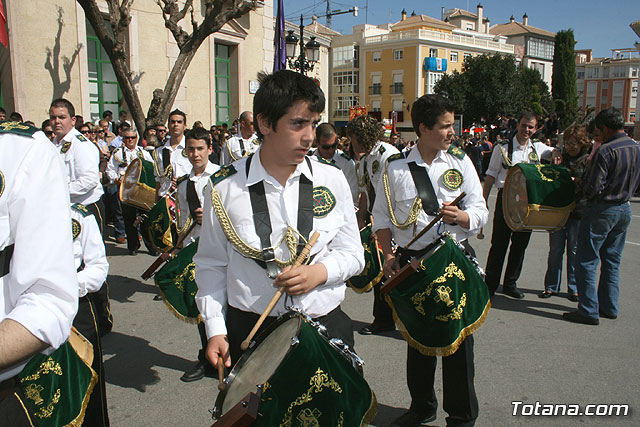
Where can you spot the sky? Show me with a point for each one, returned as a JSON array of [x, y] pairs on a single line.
[[597, 25]]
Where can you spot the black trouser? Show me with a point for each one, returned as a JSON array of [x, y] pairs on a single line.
[[13, 411], [86, 323], [500, 237], [129, 213], [202, 354], [239, 324], [458, 371], [382, 313], [97, 209]]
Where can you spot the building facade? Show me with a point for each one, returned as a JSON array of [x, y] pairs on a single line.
[[64, 58], [609, 82]]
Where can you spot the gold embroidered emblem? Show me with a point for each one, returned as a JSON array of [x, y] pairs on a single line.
[[452, 179], [7, 126], [65, 147], [76, 228], [323, 201], [1, 183], [374, 166], [188, 273], [533, 156], [443, 293], [547, 173], [33, 392], [184, 152], [309, 418], [48, 411]]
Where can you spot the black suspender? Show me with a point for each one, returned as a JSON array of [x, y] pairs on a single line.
[[242, 151], [425, 189], [166, 157], [192, 198], [5, 260]]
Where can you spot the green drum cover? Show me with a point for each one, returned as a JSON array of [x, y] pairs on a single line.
[[443, 302], [372, 273], [158, 224], [57, 387], [176, 280], [316, 386], [147, 175], [548, 185]]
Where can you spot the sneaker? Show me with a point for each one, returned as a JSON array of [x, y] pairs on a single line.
[[121, 240], [411, 419]]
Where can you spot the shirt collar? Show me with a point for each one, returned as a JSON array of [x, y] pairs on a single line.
[[517, 145], [209, 170], [415, 156], [258, 173], [180, 144], [69, 136]]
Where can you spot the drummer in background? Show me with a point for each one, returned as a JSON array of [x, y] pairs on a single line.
[[233, 288], [365, 132], [519, 149], [120, 160], [243, 143], [450, 172], [170, 159], [191, 189], [327, 150], [38, 283]]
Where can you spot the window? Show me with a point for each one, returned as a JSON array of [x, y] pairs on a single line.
[[540, 48], [375, 105], [433, 53], [453, 57], [432, 79], [345, 56], [465, 56], [634, 72], [539, 67], [397, 86], [341, 105], [605, 84], [398, 54], [593, 72], [345, 82], [375, 56], [104, 92], [580, 75], [619, 71], [223, 80], [605, 72], [618, 89], [375, 88], [592, 88], [470, 27]]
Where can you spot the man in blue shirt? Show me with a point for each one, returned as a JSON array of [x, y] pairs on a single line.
[[608, 183]]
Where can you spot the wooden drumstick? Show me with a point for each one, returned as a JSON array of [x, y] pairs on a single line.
[[435, 220], [375, 240], [303, 255], [220, 373]]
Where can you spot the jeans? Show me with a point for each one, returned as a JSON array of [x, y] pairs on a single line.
[[113, 202], [567, 235], [601, 237]]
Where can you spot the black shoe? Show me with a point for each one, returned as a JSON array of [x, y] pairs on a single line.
[[573, 297], [157, 297], [153, 252], [512, 291], [608, 316], [133, 252], [546, 294], [194, 374], [576, 317], [374, 329], [410, 419]]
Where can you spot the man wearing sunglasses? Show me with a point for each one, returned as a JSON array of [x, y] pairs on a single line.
[[327, 149]]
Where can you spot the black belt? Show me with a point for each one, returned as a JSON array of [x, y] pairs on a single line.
[[5, 260]]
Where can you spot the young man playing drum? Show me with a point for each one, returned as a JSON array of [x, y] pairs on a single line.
[[241, 262], [434, 172]]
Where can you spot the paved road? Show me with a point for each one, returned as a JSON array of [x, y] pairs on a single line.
[[524, 351]]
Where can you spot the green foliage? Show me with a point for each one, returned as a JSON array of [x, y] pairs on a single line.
[[493, 85], [563, 83]]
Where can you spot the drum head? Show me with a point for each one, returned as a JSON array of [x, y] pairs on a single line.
[[258, 364], [130, 181], [515, 201]]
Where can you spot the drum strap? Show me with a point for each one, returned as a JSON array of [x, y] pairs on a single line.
[[192, 198], [242, 150], [371, 194], [166, 157], [510, 151], [5, 260], [262, 221], [425, 189]]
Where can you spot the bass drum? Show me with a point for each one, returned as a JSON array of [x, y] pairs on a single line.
[[138, 187], [293, 359]]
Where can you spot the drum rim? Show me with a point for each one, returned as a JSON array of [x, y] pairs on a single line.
[[217, 409], [121, 189]]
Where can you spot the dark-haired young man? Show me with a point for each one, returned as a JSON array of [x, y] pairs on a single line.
[[435, 163], [243, 143], [170, 159], [191, 193], [327, 149], [519, 149], [294, 197], [608, 183]]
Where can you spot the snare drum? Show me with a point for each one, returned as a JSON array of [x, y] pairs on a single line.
[[305, 378], [537, 197], [138, 187], [443, 301], [372, 273]]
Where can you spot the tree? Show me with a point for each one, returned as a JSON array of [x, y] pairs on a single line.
[[112, 36], [563, 82], [493, 85]]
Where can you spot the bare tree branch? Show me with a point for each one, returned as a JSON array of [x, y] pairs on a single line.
[[172, 16]]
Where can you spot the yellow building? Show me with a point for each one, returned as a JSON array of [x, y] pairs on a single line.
[[391, 65], [217, 87]]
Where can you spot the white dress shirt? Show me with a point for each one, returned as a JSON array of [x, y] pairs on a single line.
[[348, 168], [374, 163], [224, 275], [182, 205], [403, 192], [520, 154], [82, 162], [233, 150], [88, 248], [179, 161], [122, 158], [41, 289]]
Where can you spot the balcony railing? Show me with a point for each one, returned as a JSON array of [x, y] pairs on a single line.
[[376, 89], [396, 88]]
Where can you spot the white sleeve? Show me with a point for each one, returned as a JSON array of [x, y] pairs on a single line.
[[473, 203], [211, 262], [349, 170], [112, 169], [495, 164], [380, 212], [94, 257], [43, 282], [87, 162]]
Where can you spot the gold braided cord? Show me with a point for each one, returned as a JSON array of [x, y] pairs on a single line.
[[414, 212], [187, 223], [362, 182], [505, 157], [243, 247]]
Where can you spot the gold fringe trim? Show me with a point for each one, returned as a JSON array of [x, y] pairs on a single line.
[[371, 412], [368, 286], [172, 310], [94, 379], [438, 351]]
